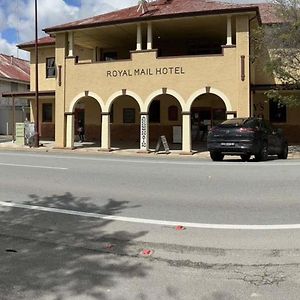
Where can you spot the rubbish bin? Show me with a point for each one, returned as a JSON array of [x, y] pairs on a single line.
[[20, 134]]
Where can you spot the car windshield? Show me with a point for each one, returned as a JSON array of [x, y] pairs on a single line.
[[240, 122]]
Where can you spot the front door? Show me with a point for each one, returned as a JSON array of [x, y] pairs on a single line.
[[200, 120]]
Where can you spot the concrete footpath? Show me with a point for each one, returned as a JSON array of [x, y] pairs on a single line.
[[91, 148]]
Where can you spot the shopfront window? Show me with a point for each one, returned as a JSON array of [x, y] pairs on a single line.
[[277, 112]]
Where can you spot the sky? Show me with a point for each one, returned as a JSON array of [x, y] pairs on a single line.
[[17, 18]]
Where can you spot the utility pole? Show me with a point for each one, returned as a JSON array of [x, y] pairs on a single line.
[[37, 138]]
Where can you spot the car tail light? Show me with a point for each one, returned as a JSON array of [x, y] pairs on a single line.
[[213, 129], [243, 129]]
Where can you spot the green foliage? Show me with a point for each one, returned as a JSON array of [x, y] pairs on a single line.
[[283, 43], [287, 99]]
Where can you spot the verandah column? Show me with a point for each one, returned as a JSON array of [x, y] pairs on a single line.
[[70, 131], [144, 133], [186, 133], [70, 44], [229, 31], [105, 136], [139, 37], [149, 36]]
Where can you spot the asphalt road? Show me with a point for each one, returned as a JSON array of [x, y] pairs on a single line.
[[47, 271], [74, 227], [161, 189]]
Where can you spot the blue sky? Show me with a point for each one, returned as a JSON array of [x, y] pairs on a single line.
[[17, 17]]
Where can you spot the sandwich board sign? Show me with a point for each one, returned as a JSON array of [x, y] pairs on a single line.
[[162, 141]]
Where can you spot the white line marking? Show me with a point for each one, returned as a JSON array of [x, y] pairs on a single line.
[[31, 166], [156, 160], [149, 221]]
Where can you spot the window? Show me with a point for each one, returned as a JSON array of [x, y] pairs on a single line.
[[173, 113], [47, 112], [128, 115], [154, 112], [277, 112], [50, 67]]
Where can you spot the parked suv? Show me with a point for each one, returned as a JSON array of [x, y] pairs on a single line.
[[246, 137]]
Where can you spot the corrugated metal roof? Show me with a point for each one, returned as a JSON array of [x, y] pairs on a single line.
[[155, 10], [160, 9], [268, 13], [13, 68], [45, 41]]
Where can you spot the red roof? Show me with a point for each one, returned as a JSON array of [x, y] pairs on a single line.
[[268, 13], [156, 10], [13, 68], [160, 9], [45, 41]]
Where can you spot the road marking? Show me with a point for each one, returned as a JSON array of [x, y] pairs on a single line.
[[149, 221], [32, 166], [195, 161]]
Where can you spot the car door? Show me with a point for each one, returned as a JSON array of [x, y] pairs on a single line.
[[273, 138]]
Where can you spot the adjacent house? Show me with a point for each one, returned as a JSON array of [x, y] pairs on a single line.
[[168, 68], [14, 78]]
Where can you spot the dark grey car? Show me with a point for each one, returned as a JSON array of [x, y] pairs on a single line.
[[246, 137]]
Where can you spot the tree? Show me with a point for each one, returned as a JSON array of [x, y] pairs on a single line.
[[282, 40]]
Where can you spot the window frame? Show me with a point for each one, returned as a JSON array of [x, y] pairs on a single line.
[[281, 111], [50, 68], [128, 115], [173, 113], [45, 113]]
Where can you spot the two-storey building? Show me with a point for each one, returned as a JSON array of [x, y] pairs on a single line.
[[173, 68], [14, 78]]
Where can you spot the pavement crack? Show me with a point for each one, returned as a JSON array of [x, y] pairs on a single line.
[[261, 276]]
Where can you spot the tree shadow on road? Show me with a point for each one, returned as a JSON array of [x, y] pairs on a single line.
[[57, 256]]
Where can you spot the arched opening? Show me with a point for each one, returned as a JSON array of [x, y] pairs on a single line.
[[87, 115], [165, 119], [207, 110], [125, 123]]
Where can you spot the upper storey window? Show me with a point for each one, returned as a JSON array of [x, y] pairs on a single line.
[[50, 67]]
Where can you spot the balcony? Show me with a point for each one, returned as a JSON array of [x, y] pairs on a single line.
[[183, 55], [173, 37]]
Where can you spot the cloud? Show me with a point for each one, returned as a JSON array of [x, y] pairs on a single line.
[[19, 15], [10, 49]]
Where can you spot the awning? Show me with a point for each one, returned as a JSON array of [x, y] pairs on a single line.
[[28, 95]]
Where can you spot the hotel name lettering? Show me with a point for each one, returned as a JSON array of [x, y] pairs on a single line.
[[146, 72]]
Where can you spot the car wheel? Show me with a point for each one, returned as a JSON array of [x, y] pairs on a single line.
[[245, 157], [216, 156], [263, 153], [284, 152]]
